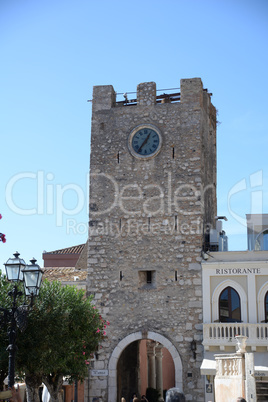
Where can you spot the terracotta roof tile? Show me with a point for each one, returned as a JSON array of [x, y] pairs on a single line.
[[69, 250], [64, 274]]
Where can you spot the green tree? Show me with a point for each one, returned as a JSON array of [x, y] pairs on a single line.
[[63, 331]]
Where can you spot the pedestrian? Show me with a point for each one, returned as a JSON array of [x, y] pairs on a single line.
[[15, 394], [175, 395], [133, 396], [123, 399], [241, 399], [144, 399]]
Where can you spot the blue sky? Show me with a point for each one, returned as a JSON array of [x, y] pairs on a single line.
[[54, 52]]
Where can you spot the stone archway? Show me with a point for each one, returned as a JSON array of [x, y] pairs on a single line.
[[112, 366]]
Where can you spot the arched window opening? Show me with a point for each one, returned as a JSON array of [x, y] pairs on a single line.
[[262, 241], [229, 306], [266, 306]]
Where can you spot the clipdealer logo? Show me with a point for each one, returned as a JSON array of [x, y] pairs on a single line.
[[132, 199], [252, 191], [47, 198]]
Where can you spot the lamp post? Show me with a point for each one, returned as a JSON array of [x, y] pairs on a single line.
[[31, 276]]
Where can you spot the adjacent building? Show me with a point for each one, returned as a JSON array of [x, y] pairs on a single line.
[[235, 302], [67, 265]]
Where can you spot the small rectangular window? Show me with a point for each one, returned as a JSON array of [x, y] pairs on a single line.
[[147, 279]]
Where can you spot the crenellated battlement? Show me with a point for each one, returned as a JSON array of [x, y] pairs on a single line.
[[191, 91]]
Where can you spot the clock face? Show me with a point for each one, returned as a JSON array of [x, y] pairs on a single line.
[[145, 141]]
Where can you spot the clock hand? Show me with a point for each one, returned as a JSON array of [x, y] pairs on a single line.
[[144, 142]]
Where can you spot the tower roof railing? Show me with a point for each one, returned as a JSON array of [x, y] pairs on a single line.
[[163, 98]]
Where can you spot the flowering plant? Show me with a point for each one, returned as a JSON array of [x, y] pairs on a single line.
[[2, 235], [101, 333]]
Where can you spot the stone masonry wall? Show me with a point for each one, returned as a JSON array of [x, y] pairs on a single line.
[[148, 215]]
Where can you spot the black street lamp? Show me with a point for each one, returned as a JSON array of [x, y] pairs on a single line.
[[31, 276]]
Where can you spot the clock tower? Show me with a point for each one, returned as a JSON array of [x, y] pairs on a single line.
[[152, 201]]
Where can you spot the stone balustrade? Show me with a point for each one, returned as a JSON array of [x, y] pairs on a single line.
[[223, 335]]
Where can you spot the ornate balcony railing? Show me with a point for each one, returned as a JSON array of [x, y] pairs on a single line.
[[223, 334]]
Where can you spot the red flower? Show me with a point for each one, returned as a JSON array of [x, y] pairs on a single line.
[[2, 236]]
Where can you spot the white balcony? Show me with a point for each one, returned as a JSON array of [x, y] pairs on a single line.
[[222, 335]]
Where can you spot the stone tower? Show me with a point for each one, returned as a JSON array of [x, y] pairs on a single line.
[[152, 199]]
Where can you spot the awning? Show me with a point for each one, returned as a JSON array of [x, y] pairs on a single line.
[[260, 371], [260, 364]]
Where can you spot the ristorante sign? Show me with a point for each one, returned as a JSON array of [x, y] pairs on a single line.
[[237, 271]]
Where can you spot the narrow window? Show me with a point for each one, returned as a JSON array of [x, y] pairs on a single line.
[[176, 223], [149, 276], [118, 157], [121, 276], [149, 224], [266, 307], [176, 276], [173, 152], [229, 306]]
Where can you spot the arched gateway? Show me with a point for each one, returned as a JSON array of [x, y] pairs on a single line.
[[112, 366]]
